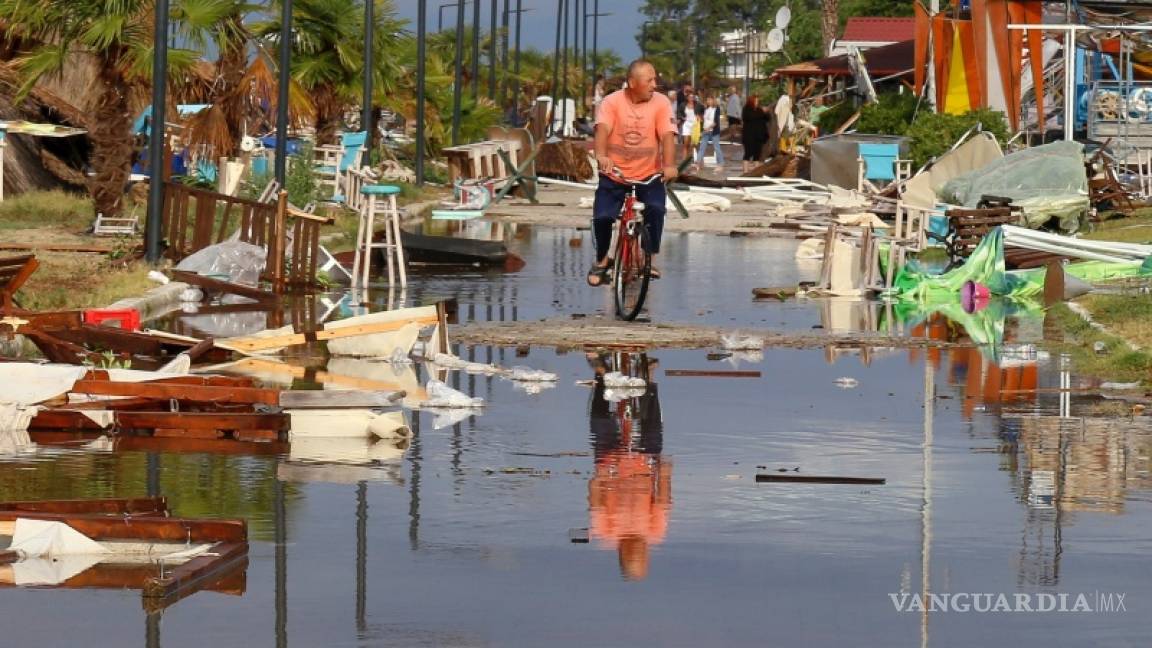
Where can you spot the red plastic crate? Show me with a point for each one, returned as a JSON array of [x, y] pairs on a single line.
[[125, 318]]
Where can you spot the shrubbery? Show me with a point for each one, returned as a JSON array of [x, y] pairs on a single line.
[[930, 134]]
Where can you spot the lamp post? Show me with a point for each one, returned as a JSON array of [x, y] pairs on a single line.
[[440, 14], [369, 25], [282, 90], [421, 19], [475, 49], [459, 77], [595, 59], [156, 141], [516, 70]]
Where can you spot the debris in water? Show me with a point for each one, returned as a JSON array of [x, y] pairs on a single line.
[[736, 343], [617, 379], [819, 479], [441, 395]]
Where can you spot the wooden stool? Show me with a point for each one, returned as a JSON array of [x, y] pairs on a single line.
[[380, 199]]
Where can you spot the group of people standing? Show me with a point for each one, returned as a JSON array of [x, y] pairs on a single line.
[[699, 122]]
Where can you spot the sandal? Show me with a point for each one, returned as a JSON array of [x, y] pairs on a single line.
[[653, 273], [602, 276]]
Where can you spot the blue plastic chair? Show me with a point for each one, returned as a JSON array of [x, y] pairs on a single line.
[[877, 162], [351, 146]]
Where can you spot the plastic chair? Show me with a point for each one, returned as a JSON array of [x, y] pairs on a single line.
[[334, 161], [880, 163]]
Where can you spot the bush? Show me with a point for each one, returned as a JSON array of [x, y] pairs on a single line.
[[891, 115], [933, 134]]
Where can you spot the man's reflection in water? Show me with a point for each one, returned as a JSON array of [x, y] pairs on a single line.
[[631, 493]]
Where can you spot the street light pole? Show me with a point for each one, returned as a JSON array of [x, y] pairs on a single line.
[[516, 71], [156, 138], [286, 39], [369, 68], [492, 54], [440, 14], [595, 38], [421, 36], [475, 49], [459, 78]]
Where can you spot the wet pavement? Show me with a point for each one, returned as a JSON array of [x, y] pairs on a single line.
[[579, 516]]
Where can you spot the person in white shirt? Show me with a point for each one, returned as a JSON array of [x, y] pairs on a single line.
[[689, 114], [710, 132]]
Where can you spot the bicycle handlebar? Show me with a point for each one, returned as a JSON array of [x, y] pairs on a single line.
[[616, 174]]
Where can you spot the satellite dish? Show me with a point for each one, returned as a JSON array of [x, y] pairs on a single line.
[[775, 40], [783, 17], [247, 144]]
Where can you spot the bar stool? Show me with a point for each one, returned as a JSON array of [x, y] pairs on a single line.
[[380, 199]]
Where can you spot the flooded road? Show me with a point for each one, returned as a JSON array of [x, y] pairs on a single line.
[[571, 518], [570, 514]]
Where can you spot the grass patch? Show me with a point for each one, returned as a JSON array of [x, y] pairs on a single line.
[[1129, 316], [1117, 362], [69, 281], [1136, 228], [46, 209]]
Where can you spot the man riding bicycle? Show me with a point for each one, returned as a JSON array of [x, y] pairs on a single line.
[[635, 140]]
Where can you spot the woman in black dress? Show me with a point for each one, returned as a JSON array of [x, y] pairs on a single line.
[[755, 133]]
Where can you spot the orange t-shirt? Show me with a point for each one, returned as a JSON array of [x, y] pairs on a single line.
[[636, 129]]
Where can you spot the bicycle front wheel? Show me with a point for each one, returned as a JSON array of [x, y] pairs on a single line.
[[630, 272]]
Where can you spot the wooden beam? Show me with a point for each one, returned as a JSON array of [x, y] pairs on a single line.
[[121, 506], [253, 344], [179, 391], [210, 284], [199, 573], [156, 529], [817, 479], [201, 421], [702, 373], [136, 443]]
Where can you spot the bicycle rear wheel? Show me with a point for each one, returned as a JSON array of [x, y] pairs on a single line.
[[630, 271]]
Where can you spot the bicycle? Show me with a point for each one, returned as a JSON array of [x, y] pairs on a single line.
[[632, 263]]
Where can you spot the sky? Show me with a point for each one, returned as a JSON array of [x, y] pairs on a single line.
[[538, 27]]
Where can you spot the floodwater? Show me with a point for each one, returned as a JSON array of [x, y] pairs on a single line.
[[569, 518]]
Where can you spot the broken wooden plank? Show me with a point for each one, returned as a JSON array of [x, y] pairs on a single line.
[[138, 443], [156, 529], [228, 576], [707, 373], [179, 391], [200, 421], [210, 284], [330, 398], [816, 479], [111, 506], [254, 344]]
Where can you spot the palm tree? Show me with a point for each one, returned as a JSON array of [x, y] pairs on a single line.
[[829, 23], [116, 37], [328, 55]]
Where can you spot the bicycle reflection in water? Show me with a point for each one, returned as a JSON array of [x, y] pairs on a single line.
[[630, 494]]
